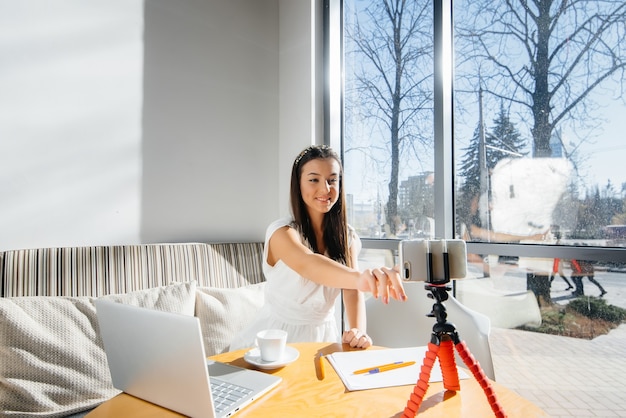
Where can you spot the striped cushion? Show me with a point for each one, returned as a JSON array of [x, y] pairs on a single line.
[[96, 271]]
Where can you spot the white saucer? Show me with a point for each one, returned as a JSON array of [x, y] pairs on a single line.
[[254, 357]]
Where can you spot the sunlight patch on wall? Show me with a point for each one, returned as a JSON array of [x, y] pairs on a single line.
[[70, 122]]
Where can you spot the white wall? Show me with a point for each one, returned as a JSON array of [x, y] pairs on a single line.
[[130, 122], [70, 122]]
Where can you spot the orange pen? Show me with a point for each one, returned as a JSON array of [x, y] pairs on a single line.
[[385, 367]]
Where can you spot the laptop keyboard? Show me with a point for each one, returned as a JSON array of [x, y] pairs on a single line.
[[225, 394]]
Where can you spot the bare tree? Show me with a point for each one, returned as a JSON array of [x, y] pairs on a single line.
[[545, 55], [391, 42]]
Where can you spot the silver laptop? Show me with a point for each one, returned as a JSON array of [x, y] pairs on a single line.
[[159, 357]]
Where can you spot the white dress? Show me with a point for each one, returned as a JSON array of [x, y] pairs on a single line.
[[303, 308]]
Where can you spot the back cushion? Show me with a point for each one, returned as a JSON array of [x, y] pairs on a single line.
[[225, 312], [53, 361]]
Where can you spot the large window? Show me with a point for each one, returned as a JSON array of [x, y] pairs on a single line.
[[501, 123], [388, 128], [538, 120], [535, 115]]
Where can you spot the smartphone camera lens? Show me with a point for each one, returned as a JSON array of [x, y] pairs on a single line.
[[407, 270]]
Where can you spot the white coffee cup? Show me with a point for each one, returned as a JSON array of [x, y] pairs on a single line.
[[271, 343]]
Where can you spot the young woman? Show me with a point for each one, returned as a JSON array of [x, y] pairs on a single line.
[[308, 260]]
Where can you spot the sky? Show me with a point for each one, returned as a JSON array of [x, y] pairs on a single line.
[[608, 154]]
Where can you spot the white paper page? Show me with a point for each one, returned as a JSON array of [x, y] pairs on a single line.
[[345, 363]]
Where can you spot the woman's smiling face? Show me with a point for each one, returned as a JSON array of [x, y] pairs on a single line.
[[319, 185]]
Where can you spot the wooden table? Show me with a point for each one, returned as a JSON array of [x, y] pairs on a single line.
[[303, 393]]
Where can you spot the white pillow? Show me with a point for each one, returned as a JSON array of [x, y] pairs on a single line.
[[53, 362], [225, 311]]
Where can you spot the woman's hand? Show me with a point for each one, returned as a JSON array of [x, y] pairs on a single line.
[[382, 283], [356, 338]]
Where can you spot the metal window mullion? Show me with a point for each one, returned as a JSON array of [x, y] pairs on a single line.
[[443, 118]]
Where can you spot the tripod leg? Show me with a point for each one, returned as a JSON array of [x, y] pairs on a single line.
[[449, 371], [414, 402], [481, 378]]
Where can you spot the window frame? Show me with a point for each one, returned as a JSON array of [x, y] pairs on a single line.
[[444, 161]]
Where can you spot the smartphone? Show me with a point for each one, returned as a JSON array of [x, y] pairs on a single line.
[[417, 255]]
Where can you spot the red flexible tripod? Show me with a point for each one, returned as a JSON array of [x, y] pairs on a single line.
[[443, 341]]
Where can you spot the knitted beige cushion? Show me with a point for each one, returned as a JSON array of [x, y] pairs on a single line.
[[52, 362], [224, 312]]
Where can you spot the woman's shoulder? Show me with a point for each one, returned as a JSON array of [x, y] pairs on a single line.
[[279, 223], [276, 225]]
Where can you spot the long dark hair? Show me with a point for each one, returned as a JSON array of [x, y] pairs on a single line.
[[335, 223]]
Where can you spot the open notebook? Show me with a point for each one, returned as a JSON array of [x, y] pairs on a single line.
[[346, 362]]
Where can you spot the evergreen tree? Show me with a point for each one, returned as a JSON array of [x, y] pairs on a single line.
[[505, 139], [469, 169]]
